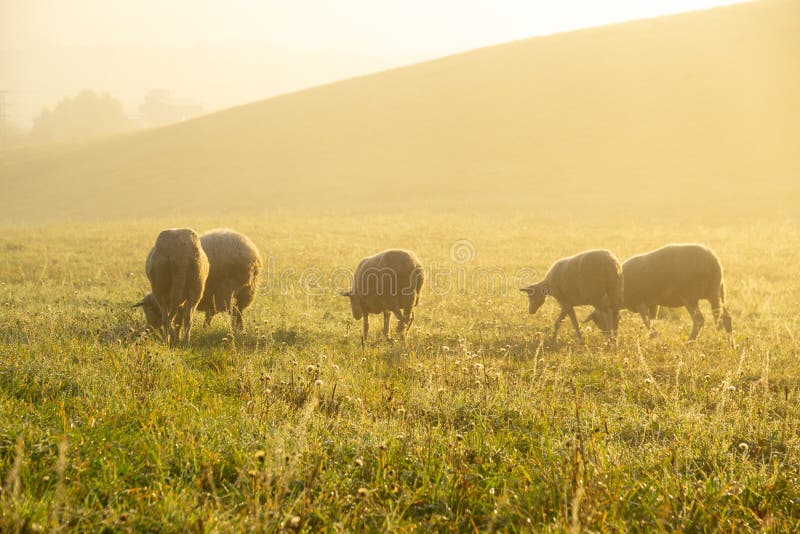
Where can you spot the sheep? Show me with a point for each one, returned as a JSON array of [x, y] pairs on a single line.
[[177, 269], [673, 276], [234, 268], [388, 282], [593, 278]]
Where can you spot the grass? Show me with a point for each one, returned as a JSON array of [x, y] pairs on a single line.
[[478, 423]]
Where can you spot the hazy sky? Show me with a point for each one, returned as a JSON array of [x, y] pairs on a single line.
[[299, 42]]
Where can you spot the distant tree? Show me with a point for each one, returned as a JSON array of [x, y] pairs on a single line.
[[88, 114]]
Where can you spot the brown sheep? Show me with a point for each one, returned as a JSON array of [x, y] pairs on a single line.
[[673, 276], [388, 282], [177, 269], [234, 268], [590, 278]]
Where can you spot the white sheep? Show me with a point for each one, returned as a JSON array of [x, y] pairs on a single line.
[[234, 268], [388, 282], [589, 278], [673, 276], [177, 269]]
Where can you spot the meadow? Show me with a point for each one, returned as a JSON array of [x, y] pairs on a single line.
[[478, 423]]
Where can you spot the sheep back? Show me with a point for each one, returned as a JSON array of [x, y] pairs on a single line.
[[591, 277], [389, 279], [672, 276]]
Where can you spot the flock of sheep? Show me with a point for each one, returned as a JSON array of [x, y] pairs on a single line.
[[219, 271]]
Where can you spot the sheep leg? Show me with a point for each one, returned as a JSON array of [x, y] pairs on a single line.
[[238, 321], [402, 322], [614, 322], [386, 318], [410, 317], [644, 313], [575, 325], [557, 325], [366, 330], [697, 318], [187, 326]]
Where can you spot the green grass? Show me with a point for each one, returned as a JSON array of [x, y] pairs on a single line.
[[478, 423]]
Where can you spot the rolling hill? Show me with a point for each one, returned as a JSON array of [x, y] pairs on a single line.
[[696, 111]]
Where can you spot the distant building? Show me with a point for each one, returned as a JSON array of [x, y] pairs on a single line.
[[160, 108]]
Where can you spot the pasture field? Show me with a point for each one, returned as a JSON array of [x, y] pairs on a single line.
[[478, 423]]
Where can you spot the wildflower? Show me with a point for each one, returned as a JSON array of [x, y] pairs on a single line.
[[445, 348], [648, 380], [318, 383], [310, 369], [363, 493], [260, 455], [294, 522], [731, 388], [744, 447], [359, 462]]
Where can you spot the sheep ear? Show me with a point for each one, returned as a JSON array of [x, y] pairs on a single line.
[[139, 304], [530, 290], [346, 293]]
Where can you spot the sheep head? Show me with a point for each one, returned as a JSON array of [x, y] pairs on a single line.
[[152, 311], [355, 304], [537, 293]]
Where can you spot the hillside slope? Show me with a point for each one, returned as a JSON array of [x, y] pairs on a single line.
[[699, 110]]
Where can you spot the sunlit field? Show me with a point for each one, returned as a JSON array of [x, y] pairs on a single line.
[[478, 422]]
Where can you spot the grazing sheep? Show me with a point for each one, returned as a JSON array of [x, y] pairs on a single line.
[[388, 282], [234, 267], [673, 276], [590, 278], [177, 269]]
